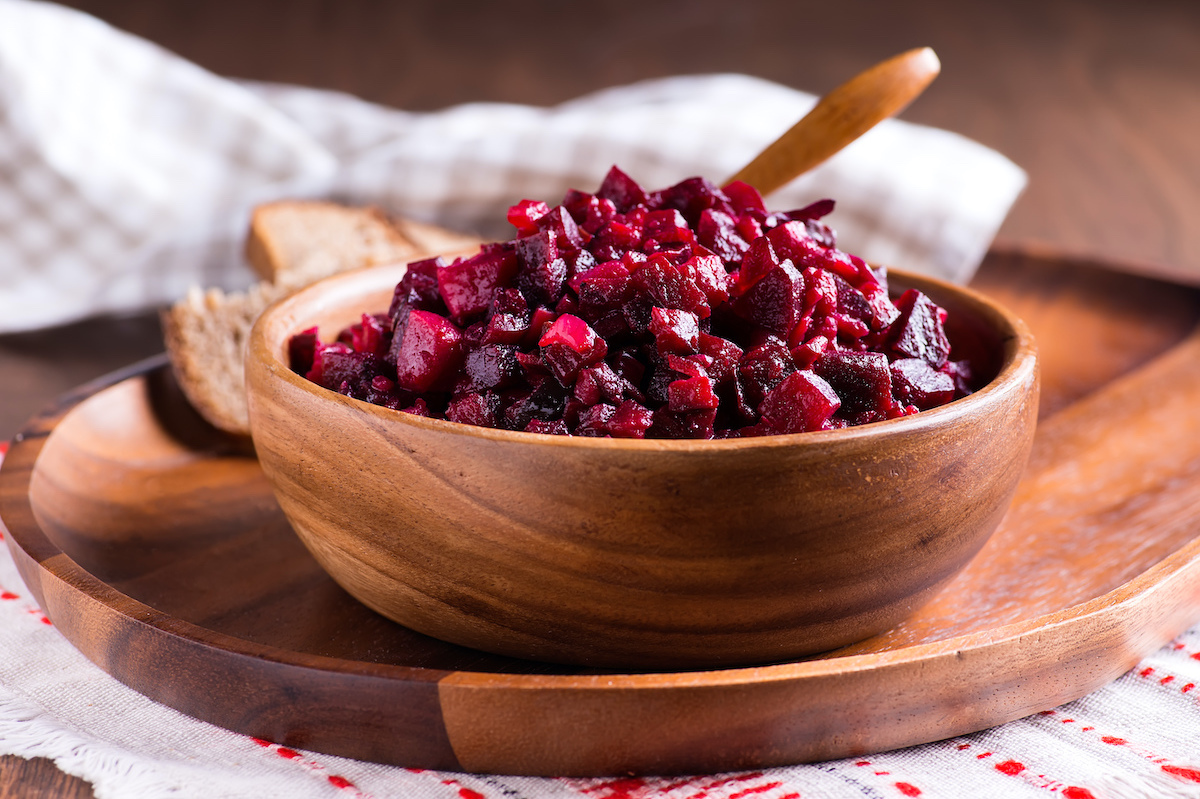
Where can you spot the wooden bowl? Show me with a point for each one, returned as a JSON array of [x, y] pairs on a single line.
[[639, 554]]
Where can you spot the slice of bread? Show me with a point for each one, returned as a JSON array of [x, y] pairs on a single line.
[[306, 240], [206, 334], [290, 244]]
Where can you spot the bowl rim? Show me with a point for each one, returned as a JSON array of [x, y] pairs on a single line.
[[1018, 367]]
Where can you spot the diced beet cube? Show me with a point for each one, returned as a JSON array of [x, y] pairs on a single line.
[[622, 190], [821, 294], [614, 239], [611, 326], [708, 272], [525, 215], [852, 302], [567, 235], [724, 354], [691, 393], [504, 328], [539, 319], [492, 366], [587, 388], [419, 286], [544, 402], [301, 350], [473, 408], [697, 424], [589, 211], [668, 226], [744, 197], [691, 197], [915, 382], [543, 284], [806, 354], [602, 383], [760, 259], [918, 331], [883, 310], [792, 240], [321, 355], [555, 428], [569, 344], [419, 408], [428, 351], [572, 332], [630, 420], [749, 227], [718, 232], [468, 286], [675, 330], [593, 422], [603, 289], [370, 335], [776, 301], [569, 304], [765, 367], [800, 403], [690, 365], [850, 330], [669, 286], [861, 379]]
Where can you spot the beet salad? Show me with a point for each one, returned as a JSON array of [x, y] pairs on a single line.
[[690, 312]]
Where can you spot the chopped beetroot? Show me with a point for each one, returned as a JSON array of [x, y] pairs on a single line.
[[630, 420], [468, 286], [428, 350], [776, 301], [919, 331], [670, 286], [302, 349], [555, 428], [689, 312], [802, 402], [371, 335], [765, 367], [691, 394], [524, 216], [915, 382], [622, 190], [569, 344], [861, 379], [473, 408], [674, 330]]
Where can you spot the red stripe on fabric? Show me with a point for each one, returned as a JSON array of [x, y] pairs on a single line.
[[1190, 774]]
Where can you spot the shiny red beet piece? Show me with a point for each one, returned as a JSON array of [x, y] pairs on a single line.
[[689, 312]]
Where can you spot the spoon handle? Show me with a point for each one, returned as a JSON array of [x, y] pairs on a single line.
[[840, 117]]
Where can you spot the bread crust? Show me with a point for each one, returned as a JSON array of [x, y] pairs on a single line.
[[290, 244]]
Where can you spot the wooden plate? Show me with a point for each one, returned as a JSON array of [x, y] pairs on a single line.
[[155, 545]]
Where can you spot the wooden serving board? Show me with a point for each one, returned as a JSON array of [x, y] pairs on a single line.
[[155, 545]]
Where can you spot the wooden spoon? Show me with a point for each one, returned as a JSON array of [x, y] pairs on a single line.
[[840, 117]]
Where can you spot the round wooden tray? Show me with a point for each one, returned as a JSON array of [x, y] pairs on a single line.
[[155, 545]]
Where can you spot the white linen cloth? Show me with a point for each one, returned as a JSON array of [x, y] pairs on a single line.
[[129, 173]]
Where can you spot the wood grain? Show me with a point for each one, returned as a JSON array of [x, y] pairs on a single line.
[[261, 641]]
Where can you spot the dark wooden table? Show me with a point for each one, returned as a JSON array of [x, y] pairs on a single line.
[[1099, 101]]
